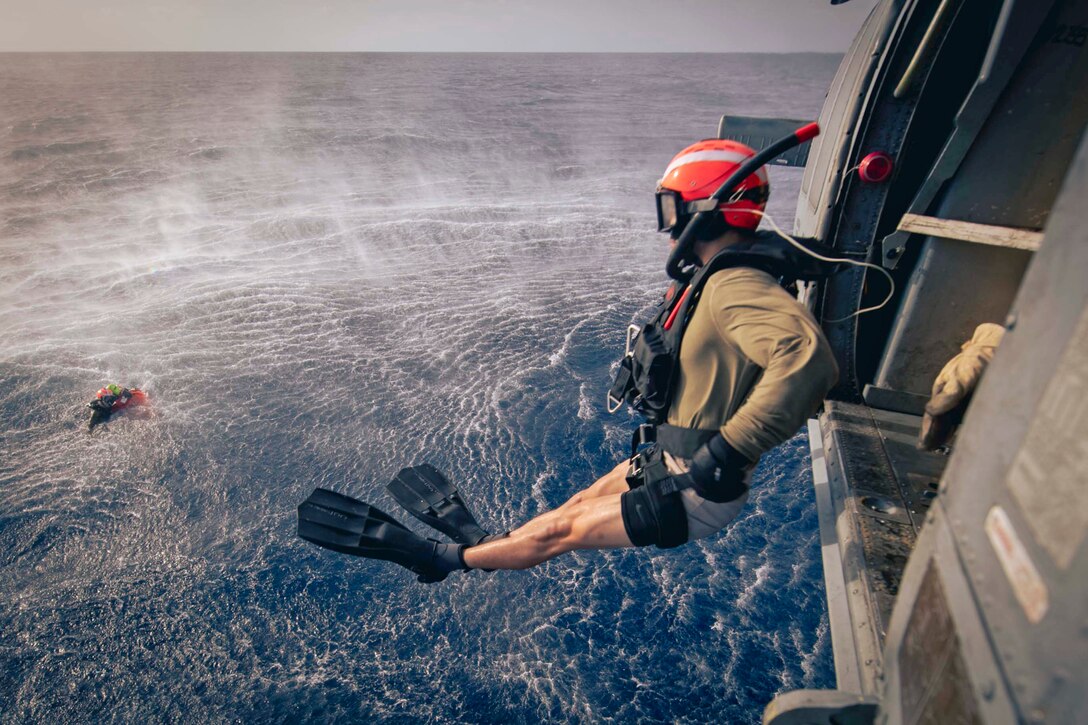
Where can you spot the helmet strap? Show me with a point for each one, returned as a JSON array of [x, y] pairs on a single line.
[[712, 228]]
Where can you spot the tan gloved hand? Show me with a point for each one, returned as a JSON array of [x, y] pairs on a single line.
[[955, 384]]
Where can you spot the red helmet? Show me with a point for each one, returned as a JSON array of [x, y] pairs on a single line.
[[696, 172]]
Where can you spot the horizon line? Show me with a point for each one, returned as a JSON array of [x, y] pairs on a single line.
[[444, 52]]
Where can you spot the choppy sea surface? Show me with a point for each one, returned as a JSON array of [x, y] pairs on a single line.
[[322, 268]]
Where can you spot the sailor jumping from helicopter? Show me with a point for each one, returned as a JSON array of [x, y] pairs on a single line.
[[729, 366]]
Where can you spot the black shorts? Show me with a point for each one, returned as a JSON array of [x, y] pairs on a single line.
[[650, 516]]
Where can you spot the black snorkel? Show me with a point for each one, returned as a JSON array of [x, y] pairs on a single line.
[[675, 267]]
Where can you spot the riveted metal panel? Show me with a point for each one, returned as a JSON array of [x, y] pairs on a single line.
[[1022, 538], [838, 118], [939, 663]]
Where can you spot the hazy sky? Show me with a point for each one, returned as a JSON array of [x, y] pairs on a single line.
[[430, 25]]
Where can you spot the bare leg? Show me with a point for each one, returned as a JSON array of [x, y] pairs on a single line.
[[615, 481], [591, 519]]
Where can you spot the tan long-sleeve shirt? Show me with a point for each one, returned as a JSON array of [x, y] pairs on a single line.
[[753, 363]]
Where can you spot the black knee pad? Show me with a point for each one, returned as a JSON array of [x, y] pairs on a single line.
[[650, 517]]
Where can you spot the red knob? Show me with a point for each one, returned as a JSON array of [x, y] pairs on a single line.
[[876, 167]]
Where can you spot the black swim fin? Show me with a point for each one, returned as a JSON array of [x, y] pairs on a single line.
[[99, 414], [341, 523], [96, 418], [429, 496]]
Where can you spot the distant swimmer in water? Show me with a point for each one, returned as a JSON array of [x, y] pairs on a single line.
[[753, 367], [111, 399]]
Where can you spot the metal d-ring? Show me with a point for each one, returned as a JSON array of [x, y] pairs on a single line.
[[632, 334]]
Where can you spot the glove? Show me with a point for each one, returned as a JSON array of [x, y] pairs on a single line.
[[954, 386], [718, 471]]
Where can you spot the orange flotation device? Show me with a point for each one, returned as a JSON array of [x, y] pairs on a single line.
[[135, 397]]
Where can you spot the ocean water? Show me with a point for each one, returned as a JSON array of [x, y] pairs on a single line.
[[322, 268]]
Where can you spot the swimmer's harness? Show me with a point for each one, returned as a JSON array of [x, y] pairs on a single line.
[[647, 375], [646, 378]]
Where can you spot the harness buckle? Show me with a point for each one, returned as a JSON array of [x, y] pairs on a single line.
[[612, 403], [644, 434]]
